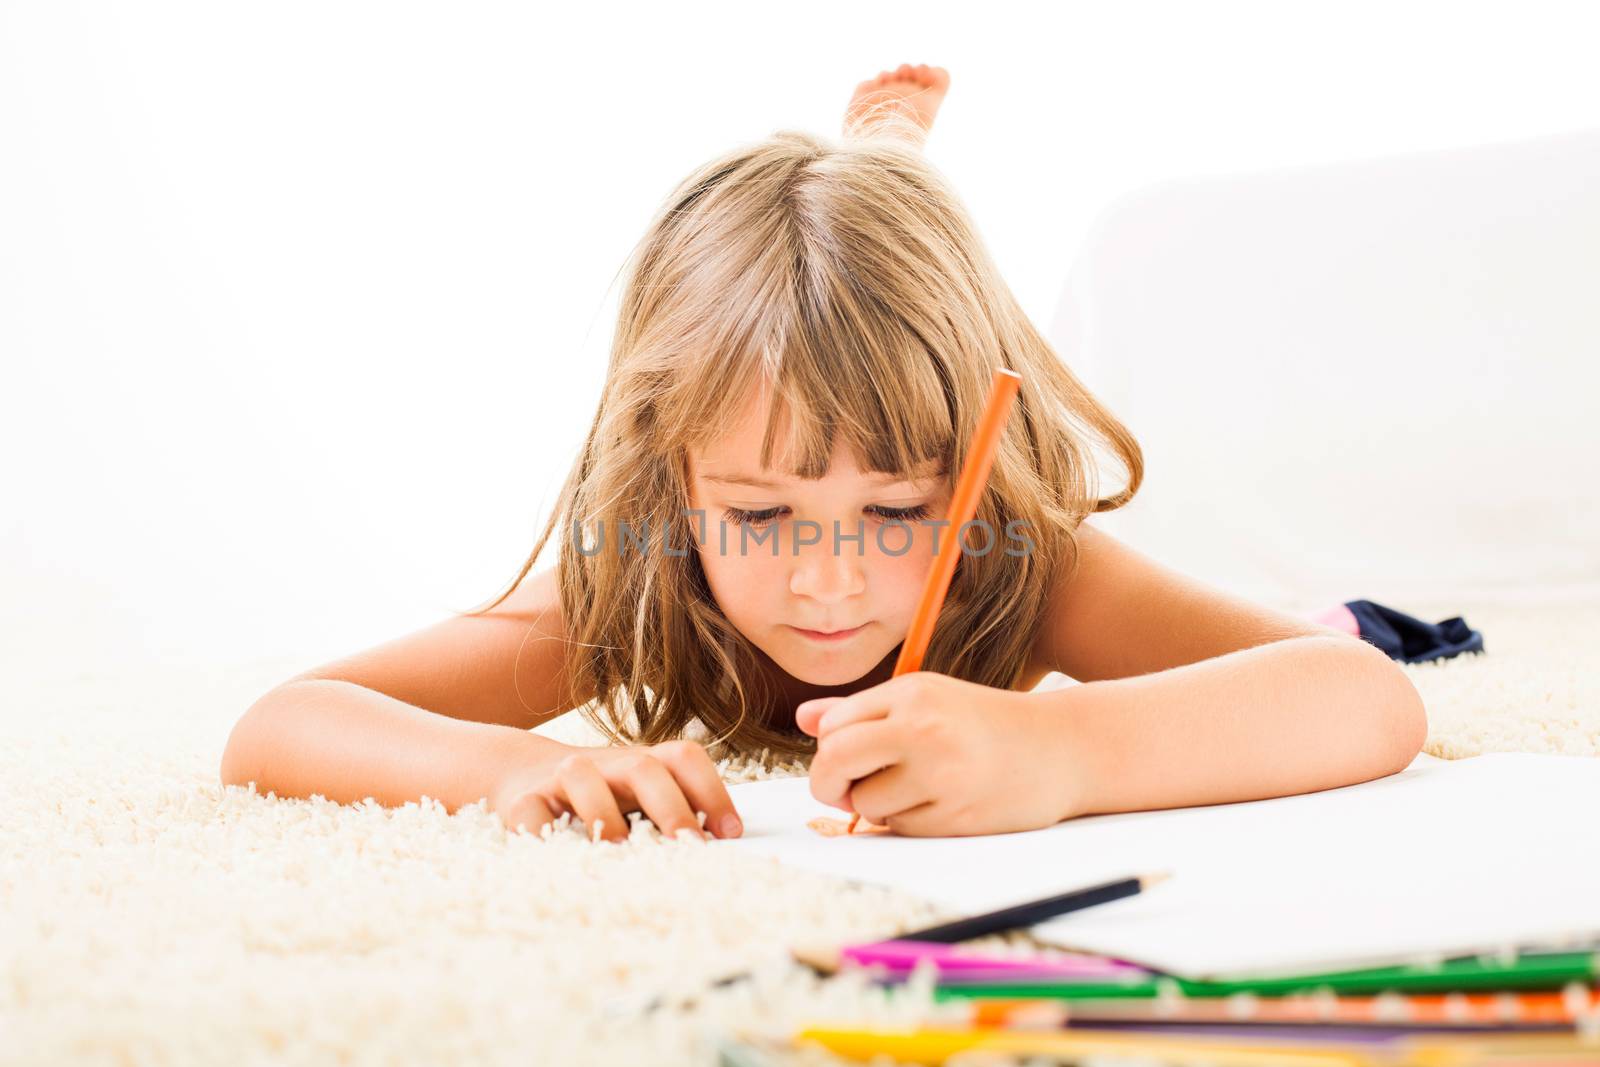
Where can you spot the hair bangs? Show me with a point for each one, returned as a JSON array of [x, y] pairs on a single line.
[[865, 379]]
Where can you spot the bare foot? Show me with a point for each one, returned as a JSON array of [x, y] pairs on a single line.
[[911, 92]]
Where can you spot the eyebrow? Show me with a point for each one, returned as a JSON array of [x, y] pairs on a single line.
[[764, 483]]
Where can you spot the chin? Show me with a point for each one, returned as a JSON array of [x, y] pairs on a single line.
[[832, 670], [828, 675]]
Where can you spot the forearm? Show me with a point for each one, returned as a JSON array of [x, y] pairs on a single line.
[[348, 742], [1288, 717]]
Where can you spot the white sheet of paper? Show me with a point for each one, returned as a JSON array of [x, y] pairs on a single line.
[[1448, 857]]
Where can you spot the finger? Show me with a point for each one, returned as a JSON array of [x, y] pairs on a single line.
[[863, 706], [701, 783], [908, 690], [590, 795], [851, 754], [887, 793], [659, 796], [925, 820], [829, 713], [528, 813], [807, 714]]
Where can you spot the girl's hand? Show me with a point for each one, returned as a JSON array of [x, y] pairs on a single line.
[[668, 782], [928, 755]]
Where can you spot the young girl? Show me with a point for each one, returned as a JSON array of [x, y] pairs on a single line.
[[807, 334]]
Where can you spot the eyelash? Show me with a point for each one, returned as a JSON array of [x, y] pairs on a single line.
[[741, 517]]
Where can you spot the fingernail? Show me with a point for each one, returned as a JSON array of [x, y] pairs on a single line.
[[730, 826]]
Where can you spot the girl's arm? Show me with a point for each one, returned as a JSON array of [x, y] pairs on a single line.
[[1193, 696], [1292, 716], [347, 742], [438, 712], [1189, 696], [445, 712], [928, 754]]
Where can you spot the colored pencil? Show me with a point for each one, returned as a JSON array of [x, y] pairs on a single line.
[[1391, 1009], [903, 955], [1311, 1035], [1540, 971], [1018, 916], [963, 506], [1509, 1050], [934, 1045], [1015, 917]]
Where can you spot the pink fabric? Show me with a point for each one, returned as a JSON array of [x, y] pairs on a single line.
[[1340, 618]]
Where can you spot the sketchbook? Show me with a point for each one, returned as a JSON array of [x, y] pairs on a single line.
[[1444, 858]]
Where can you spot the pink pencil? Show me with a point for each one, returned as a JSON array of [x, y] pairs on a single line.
[[898, 956]]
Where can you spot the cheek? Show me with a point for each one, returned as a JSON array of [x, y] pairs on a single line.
[[743, 585], [901, 577]]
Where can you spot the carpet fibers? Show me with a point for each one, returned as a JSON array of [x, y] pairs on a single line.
[[153, 916]]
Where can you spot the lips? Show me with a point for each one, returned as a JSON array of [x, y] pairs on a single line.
[[829, 635]]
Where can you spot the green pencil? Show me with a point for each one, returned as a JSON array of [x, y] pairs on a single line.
[[1548, 970]]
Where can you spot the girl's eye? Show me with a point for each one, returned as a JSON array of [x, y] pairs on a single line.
[[743, 517], [912, 514]]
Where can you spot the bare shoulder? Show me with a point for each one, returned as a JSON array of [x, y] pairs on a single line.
[[509, 665], [1124, 614], [536, 598]]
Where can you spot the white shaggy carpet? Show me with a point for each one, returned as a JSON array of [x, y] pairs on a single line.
[[152, 916]]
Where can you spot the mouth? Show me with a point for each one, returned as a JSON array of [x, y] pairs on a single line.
[[827, 636]]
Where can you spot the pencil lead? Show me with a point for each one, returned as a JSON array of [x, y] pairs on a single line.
[[824, 960]]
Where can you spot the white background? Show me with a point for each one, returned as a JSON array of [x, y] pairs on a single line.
[[304, 306]]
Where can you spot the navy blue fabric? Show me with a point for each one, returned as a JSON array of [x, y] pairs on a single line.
[[1412, 640]]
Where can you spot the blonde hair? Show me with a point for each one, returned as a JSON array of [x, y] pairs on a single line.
[[846, 277]]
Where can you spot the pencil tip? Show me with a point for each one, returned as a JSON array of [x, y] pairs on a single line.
[[1148, 880], [824, 961]]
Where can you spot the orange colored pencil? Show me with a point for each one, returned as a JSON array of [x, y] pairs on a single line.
[[963, 506], [1392, 1009]]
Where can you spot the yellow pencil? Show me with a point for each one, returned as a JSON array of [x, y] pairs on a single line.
[[934, 1045]]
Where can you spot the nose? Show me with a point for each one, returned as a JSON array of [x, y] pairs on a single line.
[[826, 575]]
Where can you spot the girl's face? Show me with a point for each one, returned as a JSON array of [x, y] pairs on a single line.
[[784, 577]]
